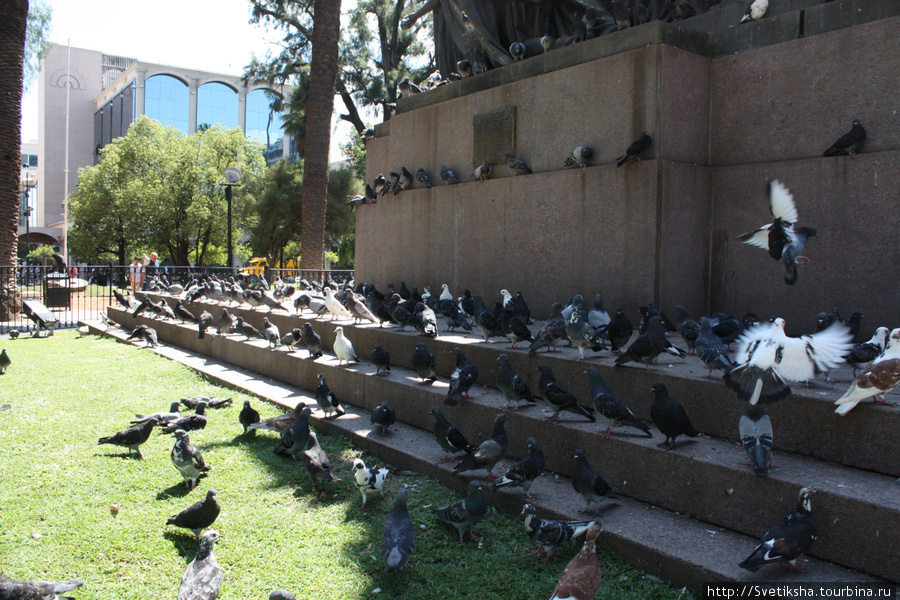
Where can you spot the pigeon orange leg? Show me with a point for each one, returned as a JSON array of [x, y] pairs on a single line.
[[607, 433], [883, 402], [802, 260]]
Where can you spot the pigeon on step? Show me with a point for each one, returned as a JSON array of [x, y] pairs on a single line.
[[382, 361], [517, 166], [273, 336], [513, 387], [423, 363], [862, 355], [609, 408], [634, 151], [756, 10], [670, 417], [489, 452], [688, 328], [203, 324], [462, 378], [312, 340], [449, 437], [523, 473], [849, 142], [879, 378], [199, 515], [383, 416], [553, 329], [580, 156], [466, 513], [589, 484], [789, 538], [326, 399], [398, 536], [557, 397], [649, 345], [619, 330], [711, 349], [755, 429]]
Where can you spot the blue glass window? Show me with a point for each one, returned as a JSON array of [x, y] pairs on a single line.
[[166, 99], [262, 119], [217, 103]]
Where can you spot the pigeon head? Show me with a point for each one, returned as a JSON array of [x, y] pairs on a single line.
[[532, 443], [659, 391], [544, 369], [499, 419], [438, 413], [321, 378], [580, 454], [211, 494], [528, 510], [358, 464], [474, 487], [281, 595], [208, 540], [503, 358], [803, 500], [181, 434]]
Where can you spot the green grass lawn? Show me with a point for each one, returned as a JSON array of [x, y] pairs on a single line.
[[58, 487]]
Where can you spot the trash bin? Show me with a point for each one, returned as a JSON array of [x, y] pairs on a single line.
[[57, 293]]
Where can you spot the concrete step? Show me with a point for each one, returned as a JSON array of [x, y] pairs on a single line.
[[704, 478], [679, 549]]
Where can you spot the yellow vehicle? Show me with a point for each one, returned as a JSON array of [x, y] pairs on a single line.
[[256, 266]]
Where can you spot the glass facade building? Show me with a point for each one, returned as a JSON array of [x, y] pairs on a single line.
[[167, 100], [217, 103]]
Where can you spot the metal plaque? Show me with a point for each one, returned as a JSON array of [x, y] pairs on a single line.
[[494, 136]]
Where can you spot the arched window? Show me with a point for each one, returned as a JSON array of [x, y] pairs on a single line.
[[264, 108], [216, 103], [167, 99]]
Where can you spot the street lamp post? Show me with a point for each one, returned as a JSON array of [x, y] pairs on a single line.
[[27, 186], [233, 177]]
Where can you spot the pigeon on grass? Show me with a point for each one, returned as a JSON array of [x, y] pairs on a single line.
[[466, 513], [187, 459], [581, 578], [202, 579], [550, 534], [199, 515], [398, 536], [368, 481], [131, 438]]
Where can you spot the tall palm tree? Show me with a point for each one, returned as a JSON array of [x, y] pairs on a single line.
[[323, 72], [13, 19]]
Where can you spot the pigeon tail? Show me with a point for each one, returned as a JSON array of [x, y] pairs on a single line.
[[757, 385]]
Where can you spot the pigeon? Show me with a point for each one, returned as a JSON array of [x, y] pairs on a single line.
[[551, 331], [649, 345], [383, 416], [203, 577], [581, 334], [557, 397], [767, 358], [343, 348], [281, 595], [399, 313], [726, 328], [246, 329], [634, 151], [382, 361], [649, 311], [5, 361], [788, 539], [295, 437], [517, 50], [166, 311], [379, 184], [589, 484], [356, 304], [581, 578], [335, 307], [326, 400], [849, 142], [711, 349], [270, 330], [291, 339], [189, 422], [486, 321], [146, 333], [449, 437], [14, 589], [187, 459], [547, 42], [489, 452], [211, 403], [619, 330], [131, 438], [483, 171], [467, 303], [513, 387], [424, 320], [466, 513], [423, 178], [781, 238], [225, 323], [408, 88], [423, 363], [755, 429], [203, 324], [199, 515], [688, 328], [879, 378], [448, 176], [755, 11], [621, 14], [368, 481], [580, 156], [514, 326], [523, 473], [316, 461], [862, 355], [609, 408], [183, 313], [462, 378], [312, 340], [281, 422], [598, 318], [550, 534], [517, 166], [398, 536], [313, 303], [161, 417], [406, 178], [451, 312], [670, 417], [248, 416]]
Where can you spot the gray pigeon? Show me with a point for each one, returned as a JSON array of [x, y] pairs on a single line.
[[448, 175], [273, 336], [711, 349], [131, 438], [316, 461], [513, 387], [849, 142], [422, 177], [423, 363], [524, 472], [489, 452], [589, 484], [202, 579], [326, 399], [551, 331], [312, 340], [203, 324], [398, 536], [281, 595], [466, 513], [13, 589], [225, 323], [581, 334], [580, 156], [161, 417], [462, 378], [449, 437], [486, 321], [247, 329], [248, 416], [517, 166], [550, 534], [192, 422], [187, 459], [557, 397], [649, 345], [688, 328], [199, 515], [755, 429], [483, 171], [609, 408], [295, 437]]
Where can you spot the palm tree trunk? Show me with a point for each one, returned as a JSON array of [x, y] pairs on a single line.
[[13, 18], [320, 106]]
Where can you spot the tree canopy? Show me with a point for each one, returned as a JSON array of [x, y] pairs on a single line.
[[36, 43]]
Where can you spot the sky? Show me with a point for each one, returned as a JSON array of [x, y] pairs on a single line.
[[209, 35]]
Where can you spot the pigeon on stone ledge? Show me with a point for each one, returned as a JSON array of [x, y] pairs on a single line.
[[489, 452], [789, 538], [670, 417]]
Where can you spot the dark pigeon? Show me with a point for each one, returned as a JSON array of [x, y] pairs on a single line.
[[755, 429], [523, 473], [489, 452], [634, 151], [225, 323], [448, 176], [449, 437], [789, 538], [326, 399], [551, 331], [462, 378], [550, 534], [312, 340], [589, 484], [131, 438], [199, 515], [316, 461], [192, 422], [383, 416], [466, 513], [670, 417], [248, 416], [246, 329], [688, 328], [711, 349], [382, 360], [203, 324], [609, 408], [423, 178], [513, 387], [649, 345], [295, 437], [558, 397], [423, 363], [619, 330], [849, 142], [518, 167]]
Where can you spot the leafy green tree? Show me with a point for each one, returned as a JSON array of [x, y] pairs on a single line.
[[274, 221], [36, 45]]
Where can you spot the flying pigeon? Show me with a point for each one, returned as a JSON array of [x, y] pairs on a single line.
[[523, 473], [192, 422], [767, 358], [879, 378], [296, 436], [633, 153], [483, 171], [423, 178], [449, 437], [14, 589], [755, 11], [131, 438], [517, 166], [466, 513], [670, 417], [649, 345], [550, 534], [368, 481], [513, 387], [326, 399], [462, 378], [382, 361], [448, 176], [316, 461], [755, 429], [849, 142], [609, 408], [383, 416], [589, 484], [551, 331], [781, 238], [789, 538], [489, 452], [187, 459], [343, 347], [312, 340], [423, 363], [161, 417], [862, 355], [248, 416], [199, 515], [581, 578], [202, 579], [398, 536], [281, 422], [557, 397]]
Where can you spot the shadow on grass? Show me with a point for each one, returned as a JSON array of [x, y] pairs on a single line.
[[178, 490], [184, 542], [130, 455]]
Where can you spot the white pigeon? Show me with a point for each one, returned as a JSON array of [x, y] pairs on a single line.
[[368, 481], [756, 10], [879, 378], [767, 358], [445, 293], [334, 307], [343, 347]]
